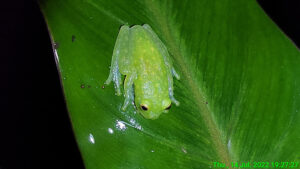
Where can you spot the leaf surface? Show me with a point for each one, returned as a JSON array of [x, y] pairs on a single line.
[[239, 88]]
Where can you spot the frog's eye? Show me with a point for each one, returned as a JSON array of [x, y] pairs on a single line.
[[167, 108], [144, 107]]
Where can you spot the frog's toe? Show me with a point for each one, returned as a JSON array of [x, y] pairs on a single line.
[[108, 80], [125, 105], [176, 102], [118, 91], [175, 74]]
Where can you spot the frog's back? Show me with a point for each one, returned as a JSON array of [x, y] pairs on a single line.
[[149, 64]]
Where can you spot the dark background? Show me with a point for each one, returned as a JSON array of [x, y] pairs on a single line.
[[35, 131]]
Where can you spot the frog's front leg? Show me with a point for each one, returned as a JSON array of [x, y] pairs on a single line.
[[120, 50], [171, 94], [128, 90]]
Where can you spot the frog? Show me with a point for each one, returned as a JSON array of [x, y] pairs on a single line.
[[144, 60]]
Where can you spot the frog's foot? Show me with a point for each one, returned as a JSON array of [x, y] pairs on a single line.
[[115, 76], [128, 90], [175, 74], [176, 102]]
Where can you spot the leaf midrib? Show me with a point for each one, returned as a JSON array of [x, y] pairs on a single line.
[[198, 95]]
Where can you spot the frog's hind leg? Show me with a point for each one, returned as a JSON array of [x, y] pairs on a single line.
[[115, 74], [128, 90]]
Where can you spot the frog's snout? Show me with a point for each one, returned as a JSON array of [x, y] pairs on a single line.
[[151, 115]]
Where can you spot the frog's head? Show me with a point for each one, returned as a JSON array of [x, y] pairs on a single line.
[[153, 108]]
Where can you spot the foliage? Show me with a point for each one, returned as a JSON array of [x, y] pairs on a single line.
[[239, 89]]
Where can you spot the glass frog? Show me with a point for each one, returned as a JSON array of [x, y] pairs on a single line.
[[144, 60]]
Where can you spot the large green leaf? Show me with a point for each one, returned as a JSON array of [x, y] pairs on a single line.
[[239, 87]]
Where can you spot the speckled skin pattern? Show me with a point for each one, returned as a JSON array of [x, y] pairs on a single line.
[[141, 56]]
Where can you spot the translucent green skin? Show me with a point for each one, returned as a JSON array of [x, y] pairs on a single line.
[[143, 58]]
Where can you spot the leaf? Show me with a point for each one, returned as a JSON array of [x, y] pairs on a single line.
[[239, 87]]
